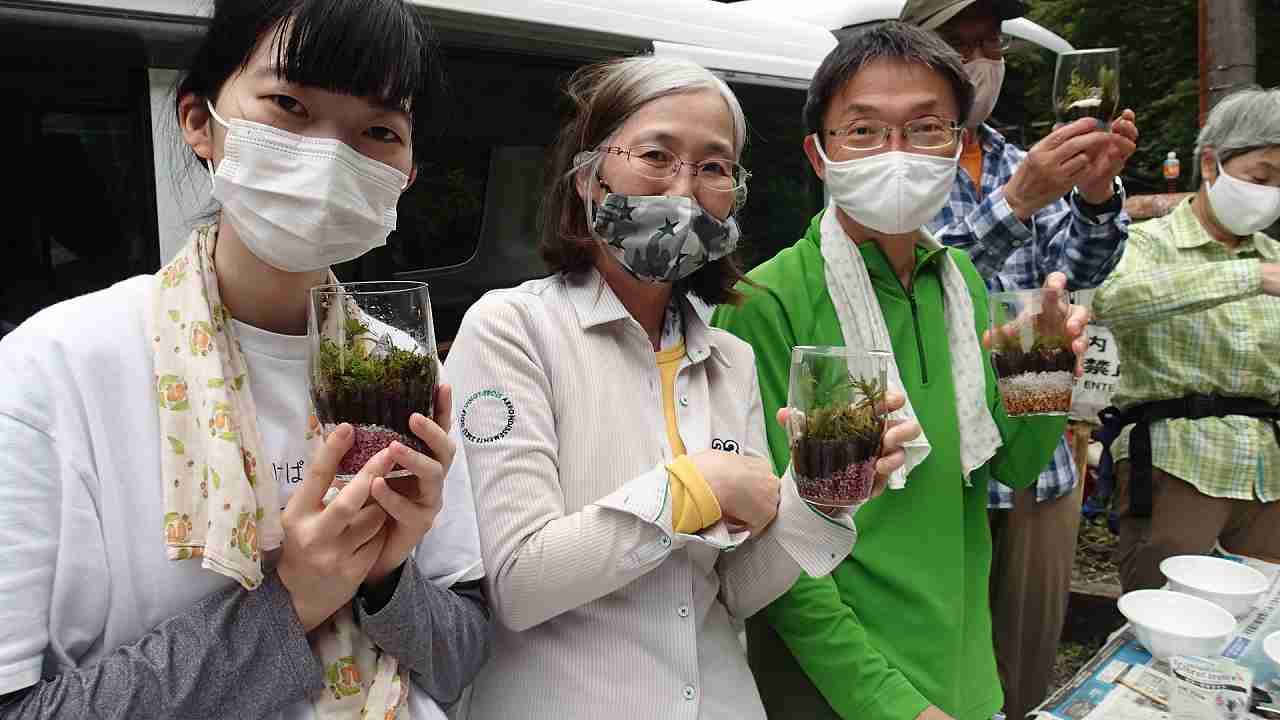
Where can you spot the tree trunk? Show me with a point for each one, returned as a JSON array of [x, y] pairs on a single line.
[[1228, 49]]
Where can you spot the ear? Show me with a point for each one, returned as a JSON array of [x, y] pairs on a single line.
[[194, 119], [584, 181], [413, 175], [815, 160], [1208, 165]]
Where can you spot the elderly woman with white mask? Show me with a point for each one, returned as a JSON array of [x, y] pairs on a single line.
[[1194, 310], [617, 442]]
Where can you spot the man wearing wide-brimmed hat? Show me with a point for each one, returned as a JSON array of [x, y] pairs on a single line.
[[1020, 216]]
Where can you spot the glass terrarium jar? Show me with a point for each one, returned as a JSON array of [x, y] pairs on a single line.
[[1033, 359], [836, 423], [373, 364], [1086, 83]]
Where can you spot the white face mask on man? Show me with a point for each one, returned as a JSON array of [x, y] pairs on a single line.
[[1243, 208], [301, 204], [987, 76], [894, 192]]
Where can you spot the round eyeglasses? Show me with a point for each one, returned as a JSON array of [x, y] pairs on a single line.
[[926, 133], [657, 163], [993, 46]]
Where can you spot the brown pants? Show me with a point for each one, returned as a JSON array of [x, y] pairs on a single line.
[[1033, 548], [1185, 521]]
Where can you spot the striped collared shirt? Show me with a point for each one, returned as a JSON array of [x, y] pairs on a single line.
[[605, 611]]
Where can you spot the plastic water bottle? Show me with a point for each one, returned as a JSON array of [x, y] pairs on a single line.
[[1172, 168]]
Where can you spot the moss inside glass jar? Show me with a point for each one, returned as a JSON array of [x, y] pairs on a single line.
[[375, 385], [837, 444]]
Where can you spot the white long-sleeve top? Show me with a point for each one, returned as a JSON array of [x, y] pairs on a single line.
[[605, 611]]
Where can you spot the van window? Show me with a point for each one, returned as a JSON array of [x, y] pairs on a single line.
[[82, 215], [783, 194], [469, 222]]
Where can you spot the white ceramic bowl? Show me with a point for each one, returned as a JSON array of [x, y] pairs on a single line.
[[1171, 623], [1271, 646], [1234, 586]]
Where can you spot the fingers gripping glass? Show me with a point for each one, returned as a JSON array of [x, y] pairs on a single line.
[[926, 133], [656, 163]]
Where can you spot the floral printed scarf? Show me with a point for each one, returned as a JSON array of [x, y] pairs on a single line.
[[217, 507]]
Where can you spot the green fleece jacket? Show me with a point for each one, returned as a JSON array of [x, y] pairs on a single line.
[[904, 621]]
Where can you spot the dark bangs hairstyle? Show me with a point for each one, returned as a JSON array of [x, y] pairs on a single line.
[[600, 98], [379, 49]]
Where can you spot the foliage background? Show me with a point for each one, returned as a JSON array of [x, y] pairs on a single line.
[[1159, 72]]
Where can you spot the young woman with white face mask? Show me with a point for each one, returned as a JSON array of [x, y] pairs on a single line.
[[166, 546]]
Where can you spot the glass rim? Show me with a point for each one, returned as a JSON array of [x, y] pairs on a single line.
[[842, 351], [365, 287], [1005, 295], [1090, 51]]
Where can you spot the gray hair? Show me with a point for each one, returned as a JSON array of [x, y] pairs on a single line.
[[652, 77], [631, 83], [891, 40], [1243, 121]]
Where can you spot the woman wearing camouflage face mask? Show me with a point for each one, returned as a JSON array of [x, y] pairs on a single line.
[[616, 442]]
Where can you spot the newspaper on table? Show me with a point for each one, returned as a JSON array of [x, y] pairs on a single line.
[[1123, 682]]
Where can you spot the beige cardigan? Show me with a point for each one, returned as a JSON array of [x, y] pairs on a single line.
[[604, 610]]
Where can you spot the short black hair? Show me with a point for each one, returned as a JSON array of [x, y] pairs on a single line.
[[380, 49], [889, 40]]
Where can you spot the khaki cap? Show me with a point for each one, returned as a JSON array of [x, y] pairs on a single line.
[[931, 14]]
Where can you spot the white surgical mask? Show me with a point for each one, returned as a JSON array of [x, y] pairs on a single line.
[[1243, 208], [894, 192], [987, 76], [301, 204]]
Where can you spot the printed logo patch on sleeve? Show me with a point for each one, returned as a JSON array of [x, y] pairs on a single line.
[[725, 445], [487, 416]]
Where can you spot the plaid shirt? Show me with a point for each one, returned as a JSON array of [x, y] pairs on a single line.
[[1013, 256], [1189, 317]]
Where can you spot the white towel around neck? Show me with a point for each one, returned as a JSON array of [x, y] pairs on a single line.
[[862, 325]]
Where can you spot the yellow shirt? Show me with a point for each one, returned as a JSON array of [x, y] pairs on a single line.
[[693, 504]]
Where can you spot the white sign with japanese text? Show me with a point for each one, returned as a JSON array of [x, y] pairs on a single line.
[[1101, 376]]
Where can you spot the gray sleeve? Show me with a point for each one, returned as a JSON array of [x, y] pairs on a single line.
[[235, 654], [442, 634]]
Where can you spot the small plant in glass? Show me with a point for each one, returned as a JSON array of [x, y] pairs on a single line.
[[1087, 84], [1032, 357], [836, 423], [373, 364]]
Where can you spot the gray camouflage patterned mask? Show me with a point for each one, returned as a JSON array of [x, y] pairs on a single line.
[[661, 238]]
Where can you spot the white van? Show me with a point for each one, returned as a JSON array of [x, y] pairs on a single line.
[[105, 189]]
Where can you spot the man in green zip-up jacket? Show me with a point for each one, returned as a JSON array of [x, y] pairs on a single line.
[[901, 629]]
